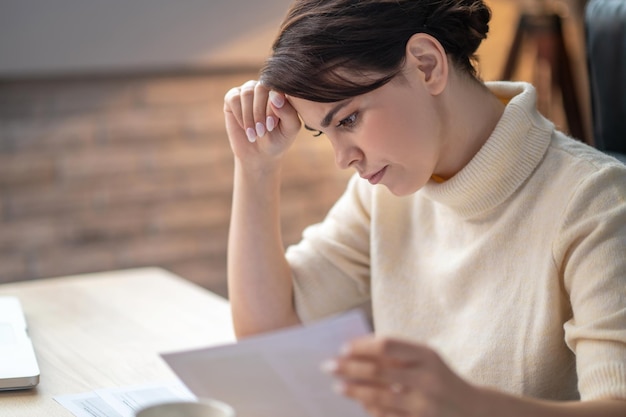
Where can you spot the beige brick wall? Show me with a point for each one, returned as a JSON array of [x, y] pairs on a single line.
[[121, 172]]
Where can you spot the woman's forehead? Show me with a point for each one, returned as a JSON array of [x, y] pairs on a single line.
[[312, 113]]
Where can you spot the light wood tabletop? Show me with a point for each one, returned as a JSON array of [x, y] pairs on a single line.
[[107, 329]]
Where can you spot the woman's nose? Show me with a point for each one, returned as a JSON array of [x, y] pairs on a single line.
[[346, 155]]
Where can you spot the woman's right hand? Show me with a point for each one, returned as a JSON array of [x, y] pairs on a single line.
[[261, 124], [260, 127]]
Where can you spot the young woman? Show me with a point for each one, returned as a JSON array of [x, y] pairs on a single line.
[[491, 247]]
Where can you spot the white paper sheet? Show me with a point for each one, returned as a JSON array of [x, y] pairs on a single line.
[[276, 374], [123, 401]]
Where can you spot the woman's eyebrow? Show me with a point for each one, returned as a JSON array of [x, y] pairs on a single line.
[[329, 116]]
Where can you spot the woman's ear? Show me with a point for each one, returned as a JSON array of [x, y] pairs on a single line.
[[425, 54]]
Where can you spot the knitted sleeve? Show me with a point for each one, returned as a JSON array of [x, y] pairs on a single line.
[[331, 264], [591, 252]]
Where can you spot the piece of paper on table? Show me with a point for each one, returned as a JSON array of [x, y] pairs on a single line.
[[123, 401], [276, 374]]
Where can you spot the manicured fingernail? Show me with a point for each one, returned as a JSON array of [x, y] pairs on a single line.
[[329, 366], [251, 133], [270, 123], [260, 129], [277, 100]]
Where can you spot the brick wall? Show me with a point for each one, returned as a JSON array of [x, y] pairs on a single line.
[[121, 172]]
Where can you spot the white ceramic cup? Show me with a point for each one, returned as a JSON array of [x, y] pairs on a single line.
[[202, 408]]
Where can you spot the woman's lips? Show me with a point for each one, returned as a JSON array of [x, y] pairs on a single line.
[[375, 178]]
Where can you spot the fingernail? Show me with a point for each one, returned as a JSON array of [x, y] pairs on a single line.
[[251, 133], [329, 366], [270, 123], [277, 100], [260, 129]]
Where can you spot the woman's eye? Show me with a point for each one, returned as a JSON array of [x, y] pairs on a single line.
[[349, 121]]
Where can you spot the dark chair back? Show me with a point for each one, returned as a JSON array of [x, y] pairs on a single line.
[[605, 31]]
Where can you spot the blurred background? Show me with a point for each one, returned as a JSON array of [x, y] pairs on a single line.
[[113, 152]]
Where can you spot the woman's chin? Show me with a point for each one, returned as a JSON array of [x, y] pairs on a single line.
[[399, 191], [403, 190]]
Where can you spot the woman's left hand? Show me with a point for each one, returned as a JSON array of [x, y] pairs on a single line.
[[391, 377]]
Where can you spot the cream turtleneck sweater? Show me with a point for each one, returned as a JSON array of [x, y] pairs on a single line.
[[514, 270]]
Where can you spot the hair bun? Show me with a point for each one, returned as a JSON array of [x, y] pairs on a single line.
[[460, 26]]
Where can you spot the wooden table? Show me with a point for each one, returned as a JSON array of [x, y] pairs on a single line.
[[106, 330]]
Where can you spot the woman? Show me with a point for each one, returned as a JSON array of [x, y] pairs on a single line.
[[490, 246]]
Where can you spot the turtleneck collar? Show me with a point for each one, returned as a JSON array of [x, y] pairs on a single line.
[[504, 162]]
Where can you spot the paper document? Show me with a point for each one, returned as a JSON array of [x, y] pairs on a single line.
[[123, 401], [276, 374]]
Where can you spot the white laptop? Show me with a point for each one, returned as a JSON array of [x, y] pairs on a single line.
[[18, 364]]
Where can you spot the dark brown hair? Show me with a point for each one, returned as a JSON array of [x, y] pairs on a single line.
[[331, 50]]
